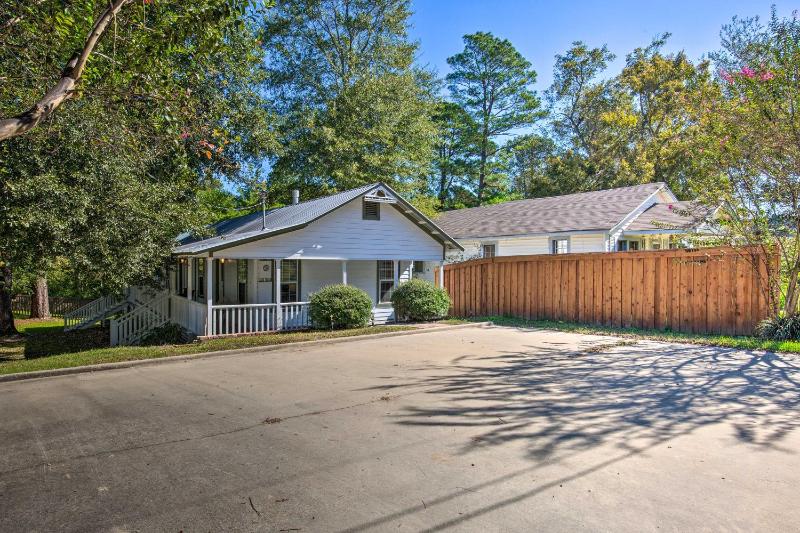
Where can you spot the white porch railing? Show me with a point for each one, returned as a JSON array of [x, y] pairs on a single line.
[[258, 318], [295, 315], [189, 314], [92, 311], [130, 327]]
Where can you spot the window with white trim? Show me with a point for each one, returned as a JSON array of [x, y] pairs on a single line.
[[290, 280], [488, 251], [559, 246], [385, 281]]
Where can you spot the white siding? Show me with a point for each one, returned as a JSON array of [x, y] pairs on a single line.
[[472, 250], [315, 275], [342, 234], [581, 243], [523, 246]]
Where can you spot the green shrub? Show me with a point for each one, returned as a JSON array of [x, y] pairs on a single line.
[[340, 306], [420, 300], [780, 328], [169, 333]]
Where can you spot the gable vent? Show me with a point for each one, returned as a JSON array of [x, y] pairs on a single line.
[[371, 211]]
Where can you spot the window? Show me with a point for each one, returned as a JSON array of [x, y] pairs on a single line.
[[200, 286], [655, 245], [385, 280], [241, 275], [489, 250], [371, 211], [419, 266], [559, 246], [181, 276], [290, 280], [627, 246]]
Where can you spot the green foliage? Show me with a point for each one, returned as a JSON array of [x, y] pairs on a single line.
[[168, 334], [168, 106], [780, 328], [748, 145], [420, 300], [340, 306], [355, 110], [493, 83]]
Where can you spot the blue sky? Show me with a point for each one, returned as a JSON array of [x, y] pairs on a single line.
[[539, 30]]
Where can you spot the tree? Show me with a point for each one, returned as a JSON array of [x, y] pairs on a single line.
[[454, 151], [749, 145], [493, 82], [355, 109], [114, 176]]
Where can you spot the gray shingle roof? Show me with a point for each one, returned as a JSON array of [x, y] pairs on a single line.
[[673, 216], [248, 227], [597, 210]]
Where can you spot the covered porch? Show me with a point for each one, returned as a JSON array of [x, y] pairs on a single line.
[[213, 296]]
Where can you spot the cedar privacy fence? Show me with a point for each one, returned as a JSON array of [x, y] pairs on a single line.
[[711, 290], [21, 303]]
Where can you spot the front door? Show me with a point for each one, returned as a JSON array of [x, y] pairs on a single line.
[[264, 269]]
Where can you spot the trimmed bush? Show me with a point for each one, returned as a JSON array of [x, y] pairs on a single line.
[[169, 333], [420, 300], [780, 328], [340, 306]]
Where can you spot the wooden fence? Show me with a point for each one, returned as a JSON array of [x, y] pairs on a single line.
[[713, 290], [59, 305]]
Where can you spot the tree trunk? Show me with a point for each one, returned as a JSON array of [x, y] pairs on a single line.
[[6, 314], [40, 301], [482, 174], [442, 187]]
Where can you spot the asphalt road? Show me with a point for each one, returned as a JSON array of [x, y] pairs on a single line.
[[475, 429]]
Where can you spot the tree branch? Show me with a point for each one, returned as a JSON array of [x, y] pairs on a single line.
[[64, 89]]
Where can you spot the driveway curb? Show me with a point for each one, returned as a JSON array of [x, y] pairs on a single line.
[[220, 353]]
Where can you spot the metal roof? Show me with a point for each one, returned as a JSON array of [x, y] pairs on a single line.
[[245, 228], [596, 210]]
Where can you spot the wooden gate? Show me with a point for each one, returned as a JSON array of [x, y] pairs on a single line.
[[711, 290]]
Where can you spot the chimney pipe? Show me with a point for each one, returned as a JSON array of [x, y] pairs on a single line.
[[295, 197]]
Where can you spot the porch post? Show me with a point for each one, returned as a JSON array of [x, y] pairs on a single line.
[[344, 272], [189, 278], [441, 274], [396, 264], [209, 295], [277, 298]]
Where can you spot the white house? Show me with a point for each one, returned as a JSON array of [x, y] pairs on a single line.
[[255, 273], [640, 217]]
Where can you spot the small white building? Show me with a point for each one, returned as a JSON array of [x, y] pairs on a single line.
[[257, 272], [640, 217]]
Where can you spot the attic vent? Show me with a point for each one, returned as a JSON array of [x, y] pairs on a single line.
[[371, 211]]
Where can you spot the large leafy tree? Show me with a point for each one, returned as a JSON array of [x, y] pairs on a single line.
[[492, 82], [167, 105], [454, 163], [749, 143], [354, 107]]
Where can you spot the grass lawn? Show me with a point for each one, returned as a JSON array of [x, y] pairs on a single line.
[[727, 341], [44, 345]]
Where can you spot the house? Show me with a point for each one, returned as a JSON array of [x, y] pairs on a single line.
[[640, 217], [256, 273]]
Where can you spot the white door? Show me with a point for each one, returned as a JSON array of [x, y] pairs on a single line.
[[264, 270]]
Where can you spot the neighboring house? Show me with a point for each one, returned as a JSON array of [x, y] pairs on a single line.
[[640, 217]]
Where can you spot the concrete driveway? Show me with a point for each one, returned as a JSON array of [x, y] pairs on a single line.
[[484, 429]]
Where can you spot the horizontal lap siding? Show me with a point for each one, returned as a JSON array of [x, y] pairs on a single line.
[[715, 290], [343, 234]]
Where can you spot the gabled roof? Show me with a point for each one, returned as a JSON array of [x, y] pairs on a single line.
[[596, 210], [246, 228], [673, 216]]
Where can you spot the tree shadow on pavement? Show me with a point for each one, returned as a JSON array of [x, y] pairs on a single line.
[[556, 401]]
